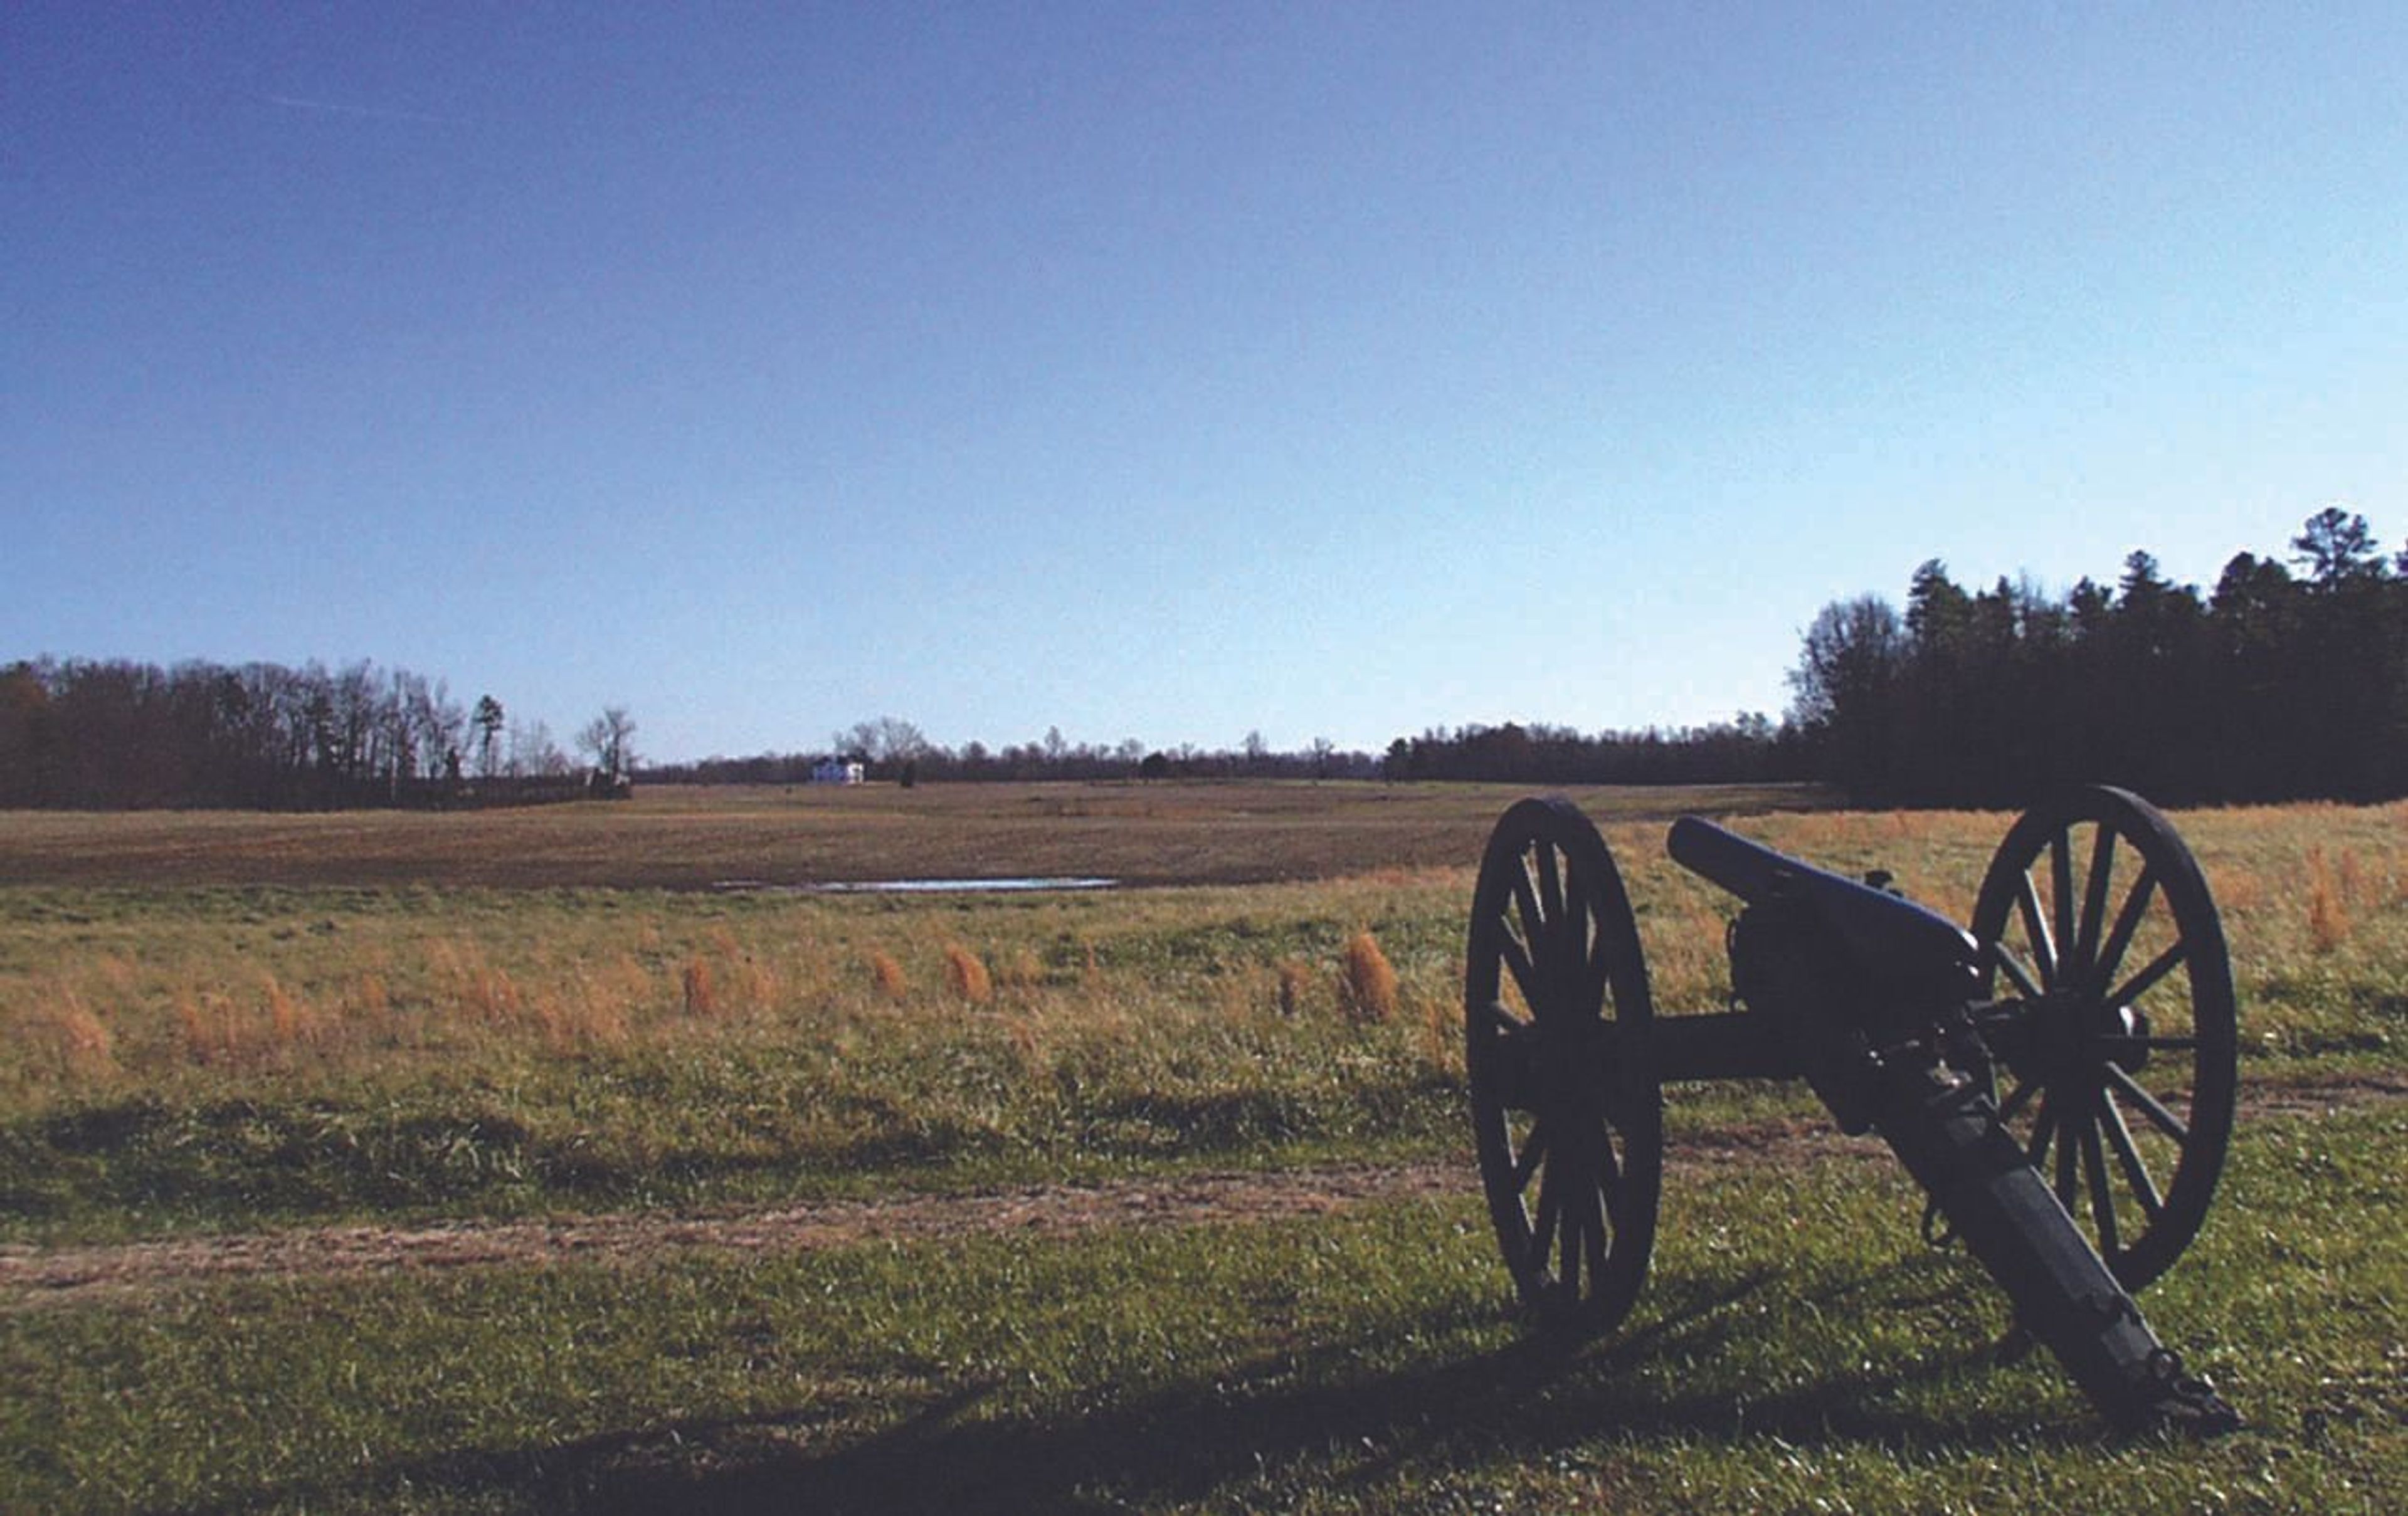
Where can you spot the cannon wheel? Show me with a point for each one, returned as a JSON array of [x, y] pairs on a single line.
[[2113, 1042], [1566, 1106]]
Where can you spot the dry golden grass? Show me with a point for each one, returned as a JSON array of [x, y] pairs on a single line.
[[2328, 921], [966, 976], [1295, 985], [122, 989], [887, 974], [701, 1000], [1023, 970], [63, 1035], [1369, 980]]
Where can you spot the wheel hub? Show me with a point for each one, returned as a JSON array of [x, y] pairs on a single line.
[[2073, 1034]]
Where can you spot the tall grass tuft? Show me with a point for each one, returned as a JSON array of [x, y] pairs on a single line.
[[887, 975], [1022, 970], [2328, 923], [369, 1000], [1442, 1032], [290, 1020], [469, 982], [207, 1026], [1295, 985], [611, 997], [752, 983], [83, 1045], [701, 996], [2352, 874], [1024, 1033], [966, 975], [1367, 980]]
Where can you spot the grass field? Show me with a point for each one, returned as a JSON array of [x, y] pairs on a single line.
[[917, 1178], [687, 839]]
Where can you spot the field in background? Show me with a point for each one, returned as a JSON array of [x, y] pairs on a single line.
[[221, 1023], [698, 836]]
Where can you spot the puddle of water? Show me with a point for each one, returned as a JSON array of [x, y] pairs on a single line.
[[912, 886]]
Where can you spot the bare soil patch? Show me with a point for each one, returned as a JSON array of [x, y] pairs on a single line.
[[32, 1276]]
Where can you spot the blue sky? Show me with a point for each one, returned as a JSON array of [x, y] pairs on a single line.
[[1168, 372]]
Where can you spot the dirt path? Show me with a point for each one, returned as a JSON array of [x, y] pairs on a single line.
[[31, 1276], [34, 1278]]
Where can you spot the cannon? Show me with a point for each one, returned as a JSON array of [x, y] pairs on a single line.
[[2057, 1075]]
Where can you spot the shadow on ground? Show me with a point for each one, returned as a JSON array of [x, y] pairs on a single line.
[[1525, 1405]]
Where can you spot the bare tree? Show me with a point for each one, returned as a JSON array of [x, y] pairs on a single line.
[[533, 754], [606, 740], [887, 741]]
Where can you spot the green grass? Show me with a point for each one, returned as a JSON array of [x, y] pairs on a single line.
[[1796, 1351]]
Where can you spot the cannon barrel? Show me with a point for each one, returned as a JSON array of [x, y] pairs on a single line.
[[1901, 949]]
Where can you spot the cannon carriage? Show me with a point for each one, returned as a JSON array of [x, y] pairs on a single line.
[[2059, 1074]]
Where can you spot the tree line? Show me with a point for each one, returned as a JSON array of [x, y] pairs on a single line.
[[891, 749], [119, 734], [2287, 681], [1749, 748]]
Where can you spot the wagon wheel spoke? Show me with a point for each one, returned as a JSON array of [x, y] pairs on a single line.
[[1549, 1217], [2094, 901], [2060, 880], [2013, 968], [1589, 960], [2016, 1099], [2043, 1128], [1525, 974], [1534, 920], [2066, 1143], [2102, 1199], [2127, 921], [1576, 1233], [2136, 1171], [1551, 884], [2164, 1121], [2043, 947], [1533, 1153], [2149, 977], [2113, 1045], [1595, 1233]]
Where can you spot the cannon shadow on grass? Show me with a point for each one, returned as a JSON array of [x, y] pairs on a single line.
[[1525, 1405]]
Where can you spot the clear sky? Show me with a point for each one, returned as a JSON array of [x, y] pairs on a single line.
[[1165, 371]]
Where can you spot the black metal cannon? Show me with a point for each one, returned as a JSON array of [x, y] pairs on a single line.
[[2058, 1078]]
